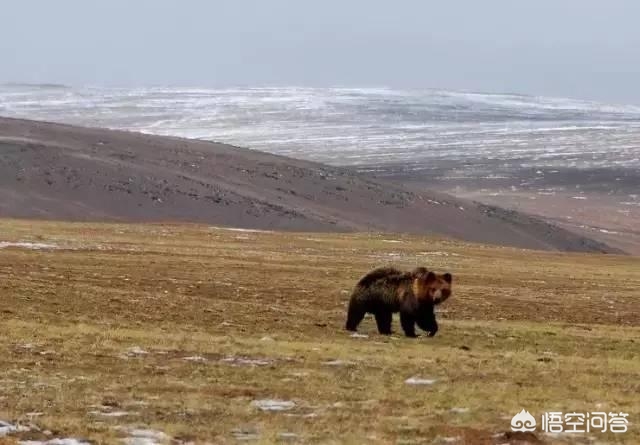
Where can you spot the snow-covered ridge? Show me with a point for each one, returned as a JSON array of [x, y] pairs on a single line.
[[354, 126]]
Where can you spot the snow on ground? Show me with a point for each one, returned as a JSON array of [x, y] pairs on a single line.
[[9, 428], [245, 434], [236, 229], [338, 363], [135, 351], [111, 413], [448, 439], [273, 405], [28, 245], [436, 253], [67, 441], [246, 361], [195, 358], [287, 436], [143, 436], [419, 381]]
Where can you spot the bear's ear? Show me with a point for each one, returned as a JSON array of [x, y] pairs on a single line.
[[418, 271], [447, 277], [431, 277]]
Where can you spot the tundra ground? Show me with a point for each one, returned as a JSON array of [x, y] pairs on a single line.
[[202, 334]]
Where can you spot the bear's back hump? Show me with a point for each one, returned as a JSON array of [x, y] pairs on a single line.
[[378, 274]]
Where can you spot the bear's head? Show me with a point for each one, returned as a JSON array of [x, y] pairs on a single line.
[[430, 286]]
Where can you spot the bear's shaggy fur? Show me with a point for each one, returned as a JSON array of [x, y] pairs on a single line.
[[414, 294]]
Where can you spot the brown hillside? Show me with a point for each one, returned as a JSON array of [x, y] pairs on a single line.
[[58, 171]]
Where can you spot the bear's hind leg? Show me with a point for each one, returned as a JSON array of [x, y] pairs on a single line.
[[408, 324], [355, 315], [383, 320]]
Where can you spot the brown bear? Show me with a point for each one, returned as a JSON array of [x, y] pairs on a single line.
[[414, 294]]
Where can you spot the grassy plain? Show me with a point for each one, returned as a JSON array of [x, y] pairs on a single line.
[[182, 328]]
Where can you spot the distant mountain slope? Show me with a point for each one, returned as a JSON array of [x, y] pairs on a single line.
[[63, 172]]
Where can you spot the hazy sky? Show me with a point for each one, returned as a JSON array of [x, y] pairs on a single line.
[[577, 48]]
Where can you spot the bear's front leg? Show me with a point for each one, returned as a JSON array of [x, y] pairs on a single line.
[[433, 328], [430, 326], [427, 321], [408, 324]]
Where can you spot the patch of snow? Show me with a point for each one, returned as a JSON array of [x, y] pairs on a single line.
[[195, 358], [357, 335], [437, 253], [419, 381], [8, 428], [140, 441], [391, 241], [287, 436], [245, 434], [66, 441], [139, 403], [338, 363], [266, 339], [236, 229], [246, 361], [135, 351], [273, 405], [142, 436], [456, 410], [27, 245], [110, 413], [579, 197]]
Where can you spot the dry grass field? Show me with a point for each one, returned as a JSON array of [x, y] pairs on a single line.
[[185, 330]]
